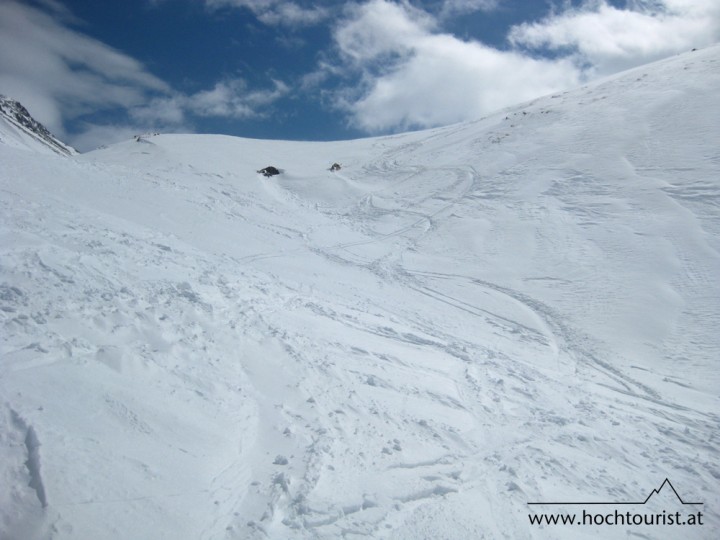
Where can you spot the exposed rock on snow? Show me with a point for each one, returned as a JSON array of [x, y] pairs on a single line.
[[269, 171], [22, 128]]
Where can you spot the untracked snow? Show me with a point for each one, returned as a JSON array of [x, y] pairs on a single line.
[[455, 324]]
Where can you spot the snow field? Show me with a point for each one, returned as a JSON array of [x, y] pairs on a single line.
[[456, 323]]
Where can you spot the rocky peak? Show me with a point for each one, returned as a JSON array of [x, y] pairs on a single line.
[[19, 117]]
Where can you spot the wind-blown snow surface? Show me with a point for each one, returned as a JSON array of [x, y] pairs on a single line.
[[459, 322]]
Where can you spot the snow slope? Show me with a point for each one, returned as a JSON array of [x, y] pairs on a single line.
[[457, 323]]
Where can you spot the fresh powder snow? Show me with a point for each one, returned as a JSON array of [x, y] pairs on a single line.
[[453, 330]]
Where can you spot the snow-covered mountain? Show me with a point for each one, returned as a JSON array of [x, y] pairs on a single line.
[[19, 129], [457, 323]]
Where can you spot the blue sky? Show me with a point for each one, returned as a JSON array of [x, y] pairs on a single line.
[[97, 72]]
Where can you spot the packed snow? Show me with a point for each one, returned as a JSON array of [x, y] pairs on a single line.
[[454, 324]]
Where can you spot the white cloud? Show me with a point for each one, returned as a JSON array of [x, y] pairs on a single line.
[[469, 80], [415, 76], [277, 12], [610, 39], [58, 9], [458, 7], [57, 72], [381, 28], [233, 99], [229, 99], [160, 111], [173, 113]]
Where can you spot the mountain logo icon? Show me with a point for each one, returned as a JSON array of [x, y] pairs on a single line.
[[653, 493]]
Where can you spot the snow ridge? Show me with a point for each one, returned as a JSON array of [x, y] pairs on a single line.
[[17, 116], [32, 463]]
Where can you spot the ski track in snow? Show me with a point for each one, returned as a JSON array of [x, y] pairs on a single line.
[[457, 323]]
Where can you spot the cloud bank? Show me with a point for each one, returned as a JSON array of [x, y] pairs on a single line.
[[59, 72], [609, 39], [413, 75], [61, 75], [277, 12]]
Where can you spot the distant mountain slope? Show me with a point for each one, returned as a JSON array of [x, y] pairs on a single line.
[[19, 129], [458, 322]]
